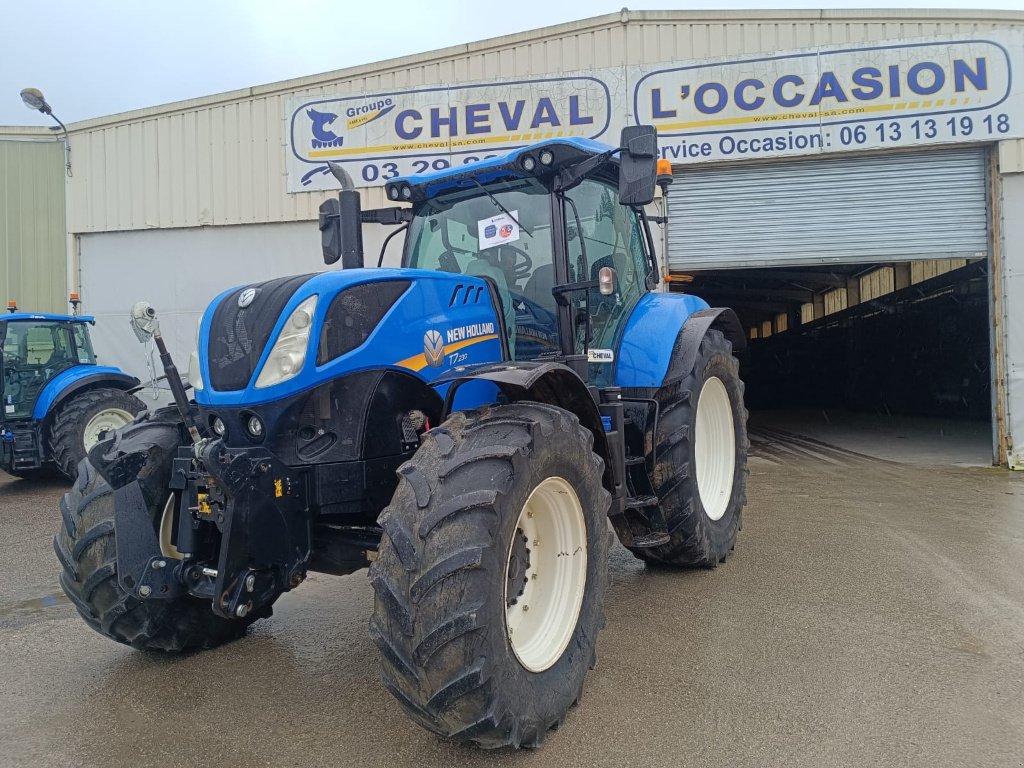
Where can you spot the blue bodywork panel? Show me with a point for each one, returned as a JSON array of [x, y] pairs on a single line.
[[15, 316], [52, 391], [469, 330], [485, 171], [645, 349]]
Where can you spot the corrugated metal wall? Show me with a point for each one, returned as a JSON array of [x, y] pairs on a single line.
[[220, 159], [32, 233]]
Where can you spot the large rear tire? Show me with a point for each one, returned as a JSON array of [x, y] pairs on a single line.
[[491, 575], [700, 475], [87, 551], [81, 421]]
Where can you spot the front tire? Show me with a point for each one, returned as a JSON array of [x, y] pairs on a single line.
[[87, 551], [701, 471], [81, 421], [499, 512]]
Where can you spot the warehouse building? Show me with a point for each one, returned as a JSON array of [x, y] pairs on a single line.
[[851, 182]]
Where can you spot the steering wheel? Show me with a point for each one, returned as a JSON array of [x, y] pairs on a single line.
[[523, 265]]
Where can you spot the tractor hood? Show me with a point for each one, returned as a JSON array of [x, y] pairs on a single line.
[[264, 341]]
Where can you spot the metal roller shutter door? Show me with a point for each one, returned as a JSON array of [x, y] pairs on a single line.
[[855, 209]]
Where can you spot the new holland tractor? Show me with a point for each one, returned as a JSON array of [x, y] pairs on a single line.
[[57, 401], [468, 426]]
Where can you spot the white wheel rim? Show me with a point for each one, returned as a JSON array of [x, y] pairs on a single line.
[[541, 620], [167, 549], [104, 421], [714, 448]]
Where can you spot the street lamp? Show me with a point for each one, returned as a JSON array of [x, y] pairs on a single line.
[[34, 99]]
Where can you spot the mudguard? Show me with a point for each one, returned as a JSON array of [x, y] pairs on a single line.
[[552, 383], [143, 451], [663, 325], [75, 379]]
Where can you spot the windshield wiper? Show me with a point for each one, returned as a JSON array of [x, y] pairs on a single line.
[[501, 207]]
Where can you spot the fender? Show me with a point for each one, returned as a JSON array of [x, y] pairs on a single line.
[[551, 383], [154, 440], [661, 327], [696, 327], [75, 380]]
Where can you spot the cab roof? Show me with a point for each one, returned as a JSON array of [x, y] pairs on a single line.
[[15, 316], [508, 165]]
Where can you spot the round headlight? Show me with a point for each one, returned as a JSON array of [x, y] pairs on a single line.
[[392, 193], [547, 157], [529, 163], [300, 319], [255, 426], [218, 426], [406, 192]]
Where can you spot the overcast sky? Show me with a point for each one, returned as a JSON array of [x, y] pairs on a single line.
[[98, 57]]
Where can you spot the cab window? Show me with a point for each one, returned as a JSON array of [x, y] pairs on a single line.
[[507, 240], [83, 344], [605, 234]]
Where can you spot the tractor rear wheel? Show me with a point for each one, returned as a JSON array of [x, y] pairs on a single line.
[[701, 471], [81, 421], [87, 549], [491, 574]]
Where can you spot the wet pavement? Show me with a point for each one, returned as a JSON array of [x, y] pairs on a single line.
[[872, 614]]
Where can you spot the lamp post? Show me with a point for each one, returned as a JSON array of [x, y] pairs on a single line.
[[34, 99]]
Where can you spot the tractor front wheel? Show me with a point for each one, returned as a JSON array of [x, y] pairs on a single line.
[[491, 575], [82, 421], [86, 546]]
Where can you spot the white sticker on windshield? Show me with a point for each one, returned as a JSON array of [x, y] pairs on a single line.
[[498, 230], [9, 409]]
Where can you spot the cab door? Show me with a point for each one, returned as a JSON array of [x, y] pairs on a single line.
[[605, 234]]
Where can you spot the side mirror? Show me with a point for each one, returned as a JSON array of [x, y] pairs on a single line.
[[341, 225], [638, 164], [143, 321]]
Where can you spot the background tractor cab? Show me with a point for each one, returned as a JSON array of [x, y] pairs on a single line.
[[56, 400]]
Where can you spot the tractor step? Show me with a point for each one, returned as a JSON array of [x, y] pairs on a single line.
[[639, 502], [632, 461], [653, 539]]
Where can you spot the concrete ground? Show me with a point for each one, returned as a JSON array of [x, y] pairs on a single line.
[[872, 614], [906, 439]]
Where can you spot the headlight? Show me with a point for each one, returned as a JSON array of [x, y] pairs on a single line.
[[195, 375], [289, 353]]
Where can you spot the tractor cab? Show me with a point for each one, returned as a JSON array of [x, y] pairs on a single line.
[[37, 349], [557, 228], [567, 246]]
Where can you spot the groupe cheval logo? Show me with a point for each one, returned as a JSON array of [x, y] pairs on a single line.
[[322, 128]]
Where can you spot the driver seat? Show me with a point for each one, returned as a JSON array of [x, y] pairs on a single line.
[[538, 287]]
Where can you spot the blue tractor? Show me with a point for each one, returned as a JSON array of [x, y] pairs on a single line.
[[467, 426], [57, 401]]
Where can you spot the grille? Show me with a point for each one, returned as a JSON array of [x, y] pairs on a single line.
[[353, 315], [238, 335]]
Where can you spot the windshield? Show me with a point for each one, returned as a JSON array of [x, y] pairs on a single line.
[[468, 232], [34, 352]]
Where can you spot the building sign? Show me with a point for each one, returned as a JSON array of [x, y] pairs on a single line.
[[830, 100], [380, 136], [931, 91]]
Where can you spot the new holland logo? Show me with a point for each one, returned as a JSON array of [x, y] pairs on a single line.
[[433, 348], [245, 298]]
